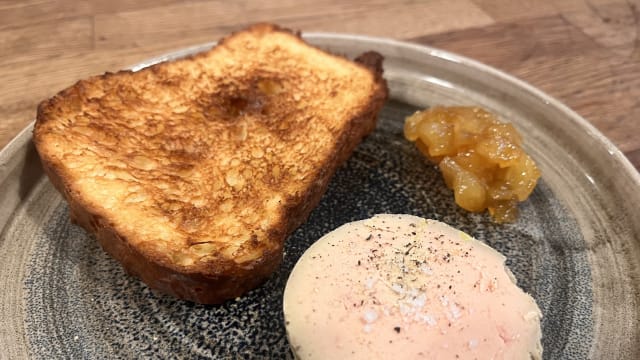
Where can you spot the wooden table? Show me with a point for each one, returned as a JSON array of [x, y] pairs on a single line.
[[584, 52]]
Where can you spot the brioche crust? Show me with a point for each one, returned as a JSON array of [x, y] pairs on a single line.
[[193, 172]]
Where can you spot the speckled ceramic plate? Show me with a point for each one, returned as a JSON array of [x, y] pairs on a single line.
[[575, 247]]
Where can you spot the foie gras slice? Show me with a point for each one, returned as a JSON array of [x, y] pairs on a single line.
[[403, 287]]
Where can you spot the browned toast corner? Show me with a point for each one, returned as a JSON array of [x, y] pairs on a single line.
[[193, 172]]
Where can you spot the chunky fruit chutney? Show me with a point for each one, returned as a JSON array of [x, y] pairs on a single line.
[[481, 158]]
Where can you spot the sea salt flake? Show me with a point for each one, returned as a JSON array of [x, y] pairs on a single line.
[[371, 282], [428, 319], [455, 311], [419, 301], [405, 309], [370, 316]]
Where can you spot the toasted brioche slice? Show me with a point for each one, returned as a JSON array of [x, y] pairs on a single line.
[[193, 172]]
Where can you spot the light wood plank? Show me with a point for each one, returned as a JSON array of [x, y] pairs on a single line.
[[505, 45], [509, 10], [210, 20], [506, 10], [614, 25], [399, 21], [41, 41], [29, 12]]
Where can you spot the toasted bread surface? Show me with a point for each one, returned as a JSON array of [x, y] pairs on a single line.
[[193, 172]]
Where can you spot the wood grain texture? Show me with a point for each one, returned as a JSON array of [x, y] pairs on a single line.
[[583, 52]]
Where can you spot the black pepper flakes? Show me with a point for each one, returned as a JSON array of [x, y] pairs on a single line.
[[397, 329]]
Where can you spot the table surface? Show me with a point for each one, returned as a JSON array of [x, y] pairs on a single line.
[[585, 53]]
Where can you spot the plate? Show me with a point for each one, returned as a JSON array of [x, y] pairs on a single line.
[[575, 247]]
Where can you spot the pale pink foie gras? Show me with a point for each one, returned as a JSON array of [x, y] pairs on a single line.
[[402, 287]]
